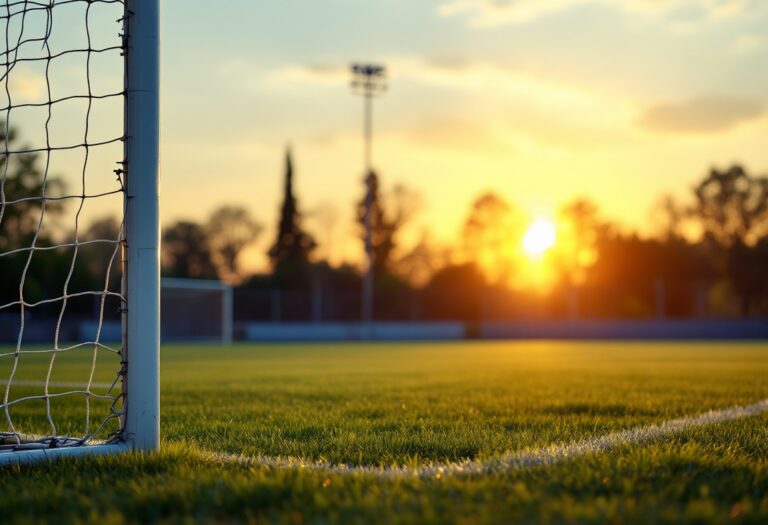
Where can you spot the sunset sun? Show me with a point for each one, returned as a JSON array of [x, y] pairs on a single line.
[[539, 238]]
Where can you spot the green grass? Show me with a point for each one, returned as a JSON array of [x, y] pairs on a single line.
[[386, 404]]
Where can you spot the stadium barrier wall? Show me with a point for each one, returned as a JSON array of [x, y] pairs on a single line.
[[383, 331], [633, 329], [639, 329], [111, 331]]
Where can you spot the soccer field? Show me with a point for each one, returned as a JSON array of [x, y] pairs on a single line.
[[259, 433]]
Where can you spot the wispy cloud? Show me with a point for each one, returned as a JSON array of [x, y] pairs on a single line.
[[500, 12], [316, 73], [488, 13], [459, 135], [518, 109], [27, 86], [701, 115], [489, 78], [748, 44]]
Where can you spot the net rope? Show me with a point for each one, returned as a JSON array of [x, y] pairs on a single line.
[[27, 30]]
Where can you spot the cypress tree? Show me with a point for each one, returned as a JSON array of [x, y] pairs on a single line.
[[293, 246]]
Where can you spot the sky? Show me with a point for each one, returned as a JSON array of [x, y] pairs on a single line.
[[541, 101]]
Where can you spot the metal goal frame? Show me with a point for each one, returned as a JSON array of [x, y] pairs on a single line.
[[140, 419]]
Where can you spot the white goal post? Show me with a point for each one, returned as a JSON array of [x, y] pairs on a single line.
[[141, 338], [123, 412]]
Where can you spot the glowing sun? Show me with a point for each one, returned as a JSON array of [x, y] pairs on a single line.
[[539, 238]]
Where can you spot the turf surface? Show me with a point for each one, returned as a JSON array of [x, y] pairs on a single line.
[[385, 404]]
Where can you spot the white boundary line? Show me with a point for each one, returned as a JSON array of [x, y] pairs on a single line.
[[531, 458], [511, 462]]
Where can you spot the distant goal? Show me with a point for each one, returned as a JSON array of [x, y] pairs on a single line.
[[79, 105], [196, 311]]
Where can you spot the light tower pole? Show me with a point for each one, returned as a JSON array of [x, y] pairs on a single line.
[[368, 80]]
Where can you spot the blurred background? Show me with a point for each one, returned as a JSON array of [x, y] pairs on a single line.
[[530, 163]]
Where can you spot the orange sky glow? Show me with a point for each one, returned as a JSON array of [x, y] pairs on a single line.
[[539, 101]]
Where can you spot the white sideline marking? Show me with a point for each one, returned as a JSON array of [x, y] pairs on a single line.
[[54, 384], [510, 462]]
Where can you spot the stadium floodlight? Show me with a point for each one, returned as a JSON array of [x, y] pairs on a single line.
[[196, 310], [115, 405], [368, 80]]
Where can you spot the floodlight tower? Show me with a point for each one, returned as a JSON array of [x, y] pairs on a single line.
[[368, 80]]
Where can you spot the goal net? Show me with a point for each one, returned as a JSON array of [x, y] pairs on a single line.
[[196, 310], [78, 227]]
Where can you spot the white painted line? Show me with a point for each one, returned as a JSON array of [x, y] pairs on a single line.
[[506, 463], [511, 462]]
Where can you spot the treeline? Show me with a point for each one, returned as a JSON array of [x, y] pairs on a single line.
[[707, 257], [46, 255]]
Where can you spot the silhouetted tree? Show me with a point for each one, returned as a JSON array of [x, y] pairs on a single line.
[[421, 262], [325, 218], [187, 252], [625, 275], [340, 290], [388, 216], [732, 206], [670, 217], [456, 292], [575, 250], [230, 230], [23, 184], [748, 267], [293, 246], [98, 256], [492, 236]]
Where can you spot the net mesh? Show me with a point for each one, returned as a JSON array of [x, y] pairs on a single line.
[[62, 202]]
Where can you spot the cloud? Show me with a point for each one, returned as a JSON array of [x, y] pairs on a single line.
[[747, 44], [458, 134], [500, 12], [519, 110], [476, 77], [489, 13], [701, 115], [322, 74], [26, 86]]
